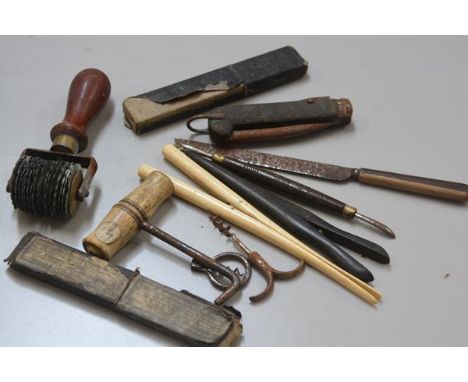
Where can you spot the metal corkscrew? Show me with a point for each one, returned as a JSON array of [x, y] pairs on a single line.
[[252, 258]]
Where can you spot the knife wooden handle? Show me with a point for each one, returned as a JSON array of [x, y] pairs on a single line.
[[427, 186], [277, 133]]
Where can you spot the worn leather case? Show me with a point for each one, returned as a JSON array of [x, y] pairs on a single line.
[[186, 317], [183, 99]]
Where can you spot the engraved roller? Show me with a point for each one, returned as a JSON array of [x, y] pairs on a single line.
[[51, 182]]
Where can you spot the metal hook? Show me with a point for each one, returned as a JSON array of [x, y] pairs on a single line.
[[268, 272], [217, 279], [257, 261]]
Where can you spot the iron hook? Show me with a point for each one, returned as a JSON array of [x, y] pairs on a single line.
[[255, 260]]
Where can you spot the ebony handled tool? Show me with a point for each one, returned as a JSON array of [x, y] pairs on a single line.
[[356, 243], [131, 214], [51, 182], [291, 187], [270, 204], [432, 187], [270, 121]]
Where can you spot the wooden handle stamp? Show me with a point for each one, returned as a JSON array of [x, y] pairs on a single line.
[[88, 93]]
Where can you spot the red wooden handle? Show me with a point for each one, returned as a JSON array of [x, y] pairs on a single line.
[[88, 93]]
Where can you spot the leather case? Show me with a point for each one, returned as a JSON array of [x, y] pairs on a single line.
[[183, 99]]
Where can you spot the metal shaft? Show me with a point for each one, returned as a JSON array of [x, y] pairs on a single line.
[[375, 224], [199, 257]]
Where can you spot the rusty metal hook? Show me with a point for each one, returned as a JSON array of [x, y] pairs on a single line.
[[217, 279], [268, 272], [256, 260]]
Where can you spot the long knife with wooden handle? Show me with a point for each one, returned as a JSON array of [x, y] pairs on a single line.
[[432, 187]]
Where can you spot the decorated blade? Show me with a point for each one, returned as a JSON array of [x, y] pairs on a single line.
[[276, 162]]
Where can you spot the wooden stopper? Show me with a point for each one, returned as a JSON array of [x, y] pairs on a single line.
[[122, 222]]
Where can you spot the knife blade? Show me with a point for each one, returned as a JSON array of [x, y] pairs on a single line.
[[276, 162], [432, 187]]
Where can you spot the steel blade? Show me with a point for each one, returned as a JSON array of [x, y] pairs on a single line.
[[276, 162]]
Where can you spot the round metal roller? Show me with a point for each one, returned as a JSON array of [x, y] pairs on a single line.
[[46, 187]]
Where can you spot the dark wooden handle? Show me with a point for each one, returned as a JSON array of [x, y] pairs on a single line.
[[88, 93], [278, 133], [432, 187]]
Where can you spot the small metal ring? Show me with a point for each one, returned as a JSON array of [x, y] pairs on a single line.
[[202, 116], [216, 278]]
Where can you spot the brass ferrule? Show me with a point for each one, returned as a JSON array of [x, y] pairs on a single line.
[[349, 211], [218, 158], [65, 144]]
